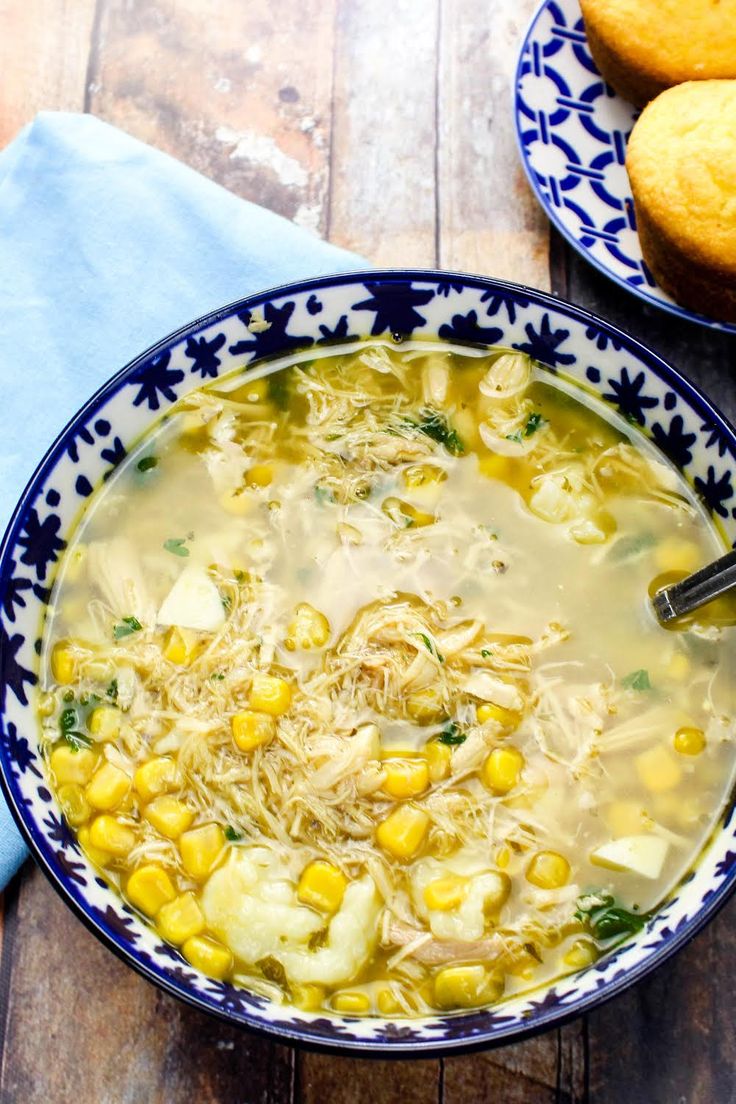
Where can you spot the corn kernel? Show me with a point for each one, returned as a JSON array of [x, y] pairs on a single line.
[[307, 629], [63, 665], [405, 515], [425, 706], [548, 870], [269, 694], [503, 857], [502, 768], [110, 835], [351, 1004], [69, 765], [445, 893], [495, 467], [149, 888], [156, 776], [406, 778], [689, 741], [251, 729], [73, 803], [423, 475], [581, 953], [260, 475], [679, 666], [180, 919], [657, 770], [94, 854], [208, 956], [181, 646], [108, 786], [677, 554], [322, 886], [200, 849], [402, 832], [387, 1003], [625, 818], [507, 718], [104, 723], [169, 816], [439, 760], [308, 997], [466, 987]]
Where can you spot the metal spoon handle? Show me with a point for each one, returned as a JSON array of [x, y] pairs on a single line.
[[697, 589]]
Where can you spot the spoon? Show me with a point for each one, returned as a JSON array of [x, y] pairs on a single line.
[[696, 590]]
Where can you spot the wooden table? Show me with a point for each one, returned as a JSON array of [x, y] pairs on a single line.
[[384, 125]]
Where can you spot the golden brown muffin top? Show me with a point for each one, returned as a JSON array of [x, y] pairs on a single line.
[[672, 40], [682, 164]]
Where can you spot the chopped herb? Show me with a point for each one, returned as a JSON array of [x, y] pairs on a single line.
[[239, 576], [218, 675], [323, 494], [126, 627], [533, 423], [147, 463], [68, 720], [436, 426], [227, 601], [452, 735], [637, 680], [231, 834], [68, 696], [604, 919], [77, 740], [486, 653], [112, 690], [175, 545], [278, 389], [628, 548], [430, 646]]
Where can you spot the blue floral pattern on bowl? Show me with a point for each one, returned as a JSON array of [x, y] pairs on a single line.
[[572, 131], [670, 410]]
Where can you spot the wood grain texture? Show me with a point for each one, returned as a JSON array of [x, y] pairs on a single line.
[[44, 50], [489, 220], [384, 131], [239, 91]]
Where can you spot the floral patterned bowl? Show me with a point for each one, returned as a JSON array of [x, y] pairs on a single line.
[[669, 409]]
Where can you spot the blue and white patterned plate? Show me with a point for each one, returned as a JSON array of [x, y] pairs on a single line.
[[572, 131], [680, 421]]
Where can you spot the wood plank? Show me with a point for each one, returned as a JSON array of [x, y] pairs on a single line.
[[239, 91], [489, 219], [44, 48], [355, 1081], [382, 185], [116, 1039]]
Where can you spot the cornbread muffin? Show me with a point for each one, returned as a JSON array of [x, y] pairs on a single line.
[[681, 162], [644, 46]]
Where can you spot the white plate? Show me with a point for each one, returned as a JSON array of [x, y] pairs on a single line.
[[572, 131]]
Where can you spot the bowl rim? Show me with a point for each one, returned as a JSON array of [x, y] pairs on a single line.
[[502, 1034]]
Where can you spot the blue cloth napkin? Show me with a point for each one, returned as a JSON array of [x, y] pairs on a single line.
[[107, 245]]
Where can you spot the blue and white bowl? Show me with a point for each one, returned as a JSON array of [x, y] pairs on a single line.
[[680, 421]]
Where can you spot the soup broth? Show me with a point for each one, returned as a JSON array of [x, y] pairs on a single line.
[[353, 688]]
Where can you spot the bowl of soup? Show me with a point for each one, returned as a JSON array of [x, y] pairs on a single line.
[[332, 697]]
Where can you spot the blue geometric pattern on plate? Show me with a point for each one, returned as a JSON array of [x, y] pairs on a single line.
[[572, 131], [621, 371]]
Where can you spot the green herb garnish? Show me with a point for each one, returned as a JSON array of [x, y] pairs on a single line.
[[628, 548], [452, 735], [435, 425], [68, 696], [227, 601], [486, 653], [278, 389], [147, 463], [533, 423], [637, 680], [126, 627], [175, 545], [112, 690], [323, 494], [604, 919], [430, 646], [68, 721], [218, 675], [231, 834]]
